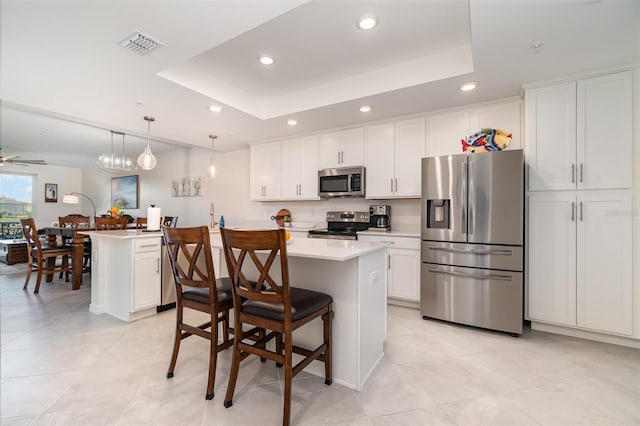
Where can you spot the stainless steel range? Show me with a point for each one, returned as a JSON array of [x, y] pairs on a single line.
[[342, 225]]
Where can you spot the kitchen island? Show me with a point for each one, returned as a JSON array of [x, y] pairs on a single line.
[[352, 272]]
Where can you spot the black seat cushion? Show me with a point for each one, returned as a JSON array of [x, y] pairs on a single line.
[[201, 295], [303, 303]]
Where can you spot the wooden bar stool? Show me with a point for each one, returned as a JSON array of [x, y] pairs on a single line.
[[189, 251], [268, 306]]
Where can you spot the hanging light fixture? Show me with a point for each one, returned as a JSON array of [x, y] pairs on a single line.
[[146, 160], [211, 170], [116, 163]]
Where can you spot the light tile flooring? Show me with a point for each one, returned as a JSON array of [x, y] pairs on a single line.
[[62, 365]]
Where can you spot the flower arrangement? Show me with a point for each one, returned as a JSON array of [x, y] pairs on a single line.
[[115, 212]]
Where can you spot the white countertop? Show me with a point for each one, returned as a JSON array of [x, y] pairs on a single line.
[[318, 248], [300, 246], [393, 233], [124, 234]]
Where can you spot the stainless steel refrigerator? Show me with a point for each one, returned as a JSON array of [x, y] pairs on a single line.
[[472, 237]]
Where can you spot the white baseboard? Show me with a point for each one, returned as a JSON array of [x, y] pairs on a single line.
[[585, 334], [405, 303]]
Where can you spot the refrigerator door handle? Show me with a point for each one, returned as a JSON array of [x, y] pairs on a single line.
[[468, 275], [472, 251], [463, 195], [471, 197]]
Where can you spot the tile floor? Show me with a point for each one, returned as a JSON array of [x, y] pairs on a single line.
[[62, 365]]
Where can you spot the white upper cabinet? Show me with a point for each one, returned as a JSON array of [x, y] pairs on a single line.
[[341, 149], [604, 132], [300, 169], [579, 134], [551, 137], [393, 158], [380, 161], [446, 130], [409, 151], [505, 116], [266, 171]]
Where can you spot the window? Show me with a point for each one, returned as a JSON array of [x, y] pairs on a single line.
[[16, 200]]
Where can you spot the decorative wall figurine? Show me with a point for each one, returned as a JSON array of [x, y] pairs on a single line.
[[187, 186], [487, 140]]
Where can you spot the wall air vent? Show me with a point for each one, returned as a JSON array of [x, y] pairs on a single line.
[[140, 43]]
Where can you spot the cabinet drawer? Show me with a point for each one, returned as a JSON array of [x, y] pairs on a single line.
[[393, 241], [147, 244]]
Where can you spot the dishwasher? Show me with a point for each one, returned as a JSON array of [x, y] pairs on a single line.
[[167, 282]]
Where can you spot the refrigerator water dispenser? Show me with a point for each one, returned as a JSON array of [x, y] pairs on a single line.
[[438, 216]]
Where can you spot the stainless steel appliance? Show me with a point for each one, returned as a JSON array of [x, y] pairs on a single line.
[[472, 236], [342, 225], [380, 218], [167, 282], [342, 182]]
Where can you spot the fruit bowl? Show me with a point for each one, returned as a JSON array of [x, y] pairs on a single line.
[[302, 225]]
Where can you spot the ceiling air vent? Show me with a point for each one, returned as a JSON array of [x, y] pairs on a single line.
[[140, 43]]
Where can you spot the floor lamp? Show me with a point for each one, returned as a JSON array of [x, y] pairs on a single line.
[[74, 199]]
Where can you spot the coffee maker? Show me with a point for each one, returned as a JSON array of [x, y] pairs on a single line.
[[380, 218]]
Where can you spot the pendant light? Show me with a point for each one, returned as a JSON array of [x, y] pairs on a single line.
[[146, 160], [116, 163], [211, 170]]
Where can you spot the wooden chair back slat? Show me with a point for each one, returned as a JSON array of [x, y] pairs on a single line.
[[170, 221], [189, 250], [30, 233], [241, 250], [110, 223], [74, 221]]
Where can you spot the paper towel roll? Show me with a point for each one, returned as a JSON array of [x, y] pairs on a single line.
[[153, 218]]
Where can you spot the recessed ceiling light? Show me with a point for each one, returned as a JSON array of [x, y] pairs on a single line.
[[215, 108], [292, 122], [365, 108], [367, 22], [266, 60], [468, 86]]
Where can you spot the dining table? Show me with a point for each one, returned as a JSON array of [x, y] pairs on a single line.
[[75, 237]]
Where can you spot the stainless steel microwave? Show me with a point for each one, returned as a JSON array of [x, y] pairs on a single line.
[[342, 182]]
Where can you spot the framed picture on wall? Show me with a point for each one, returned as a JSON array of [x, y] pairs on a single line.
[[125, 192], [51, 192]]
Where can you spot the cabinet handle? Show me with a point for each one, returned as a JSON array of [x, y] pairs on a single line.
[[581, 173], [157, 266], [338, 157], [389, 259], [391, 184], [581, 219], [573, 211], [573, 173], [300, 189], [396, 181], [148, 245]]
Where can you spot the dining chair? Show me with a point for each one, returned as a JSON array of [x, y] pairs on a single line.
[[110, 223], [267, 305], [141, 222], [170, 221], [43, 258], [79, 221], [197, 288]]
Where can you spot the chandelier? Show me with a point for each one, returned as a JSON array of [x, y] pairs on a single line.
[[116, 163]]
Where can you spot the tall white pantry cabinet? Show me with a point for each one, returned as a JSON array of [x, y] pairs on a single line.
[[580, 204]]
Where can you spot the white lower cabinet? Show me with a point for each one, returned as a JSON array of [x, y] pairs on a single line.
[[580, 260], [146, 281], [403, 266]]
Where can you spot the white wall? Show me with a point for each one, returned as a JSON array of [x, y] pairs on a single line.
[[68, 180]]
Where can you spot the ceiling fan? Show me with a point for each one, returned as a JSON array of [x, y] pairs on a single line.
[[15, 159]]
